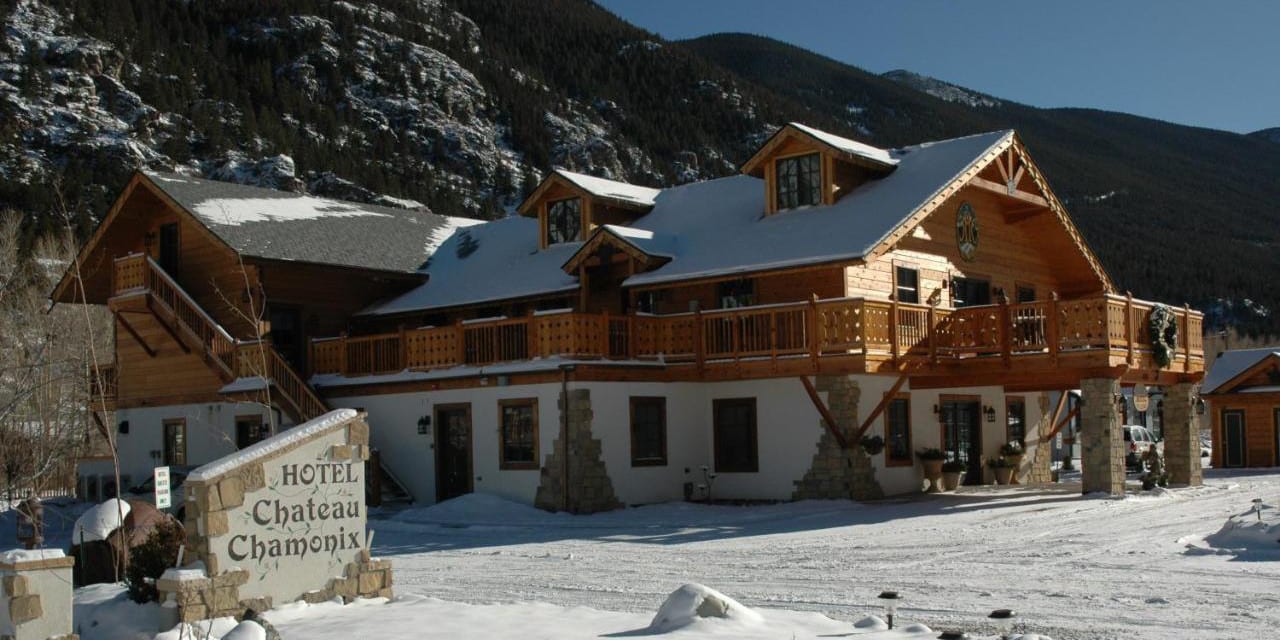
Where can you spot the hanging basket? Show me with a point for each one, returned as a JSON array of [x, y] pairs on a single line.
[[1162, 328]]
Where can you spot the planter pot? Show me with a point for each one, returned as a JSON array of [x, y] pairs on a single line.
[[933, 473], [1016, 461], [1148, 485], [951, 480], [1003, 474]]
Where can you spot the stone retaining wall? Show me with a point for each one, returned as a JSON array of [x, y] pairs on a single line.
[[37, 599]]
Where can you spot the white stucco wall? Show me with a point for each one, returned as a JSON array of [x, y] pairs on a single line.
[[788, 429], [53, 585], [211, 434]]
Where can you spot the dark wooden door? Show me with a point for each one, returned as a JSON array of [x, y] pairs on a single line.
[[970, 292], [1233, 438], [287, 335], [962, 436], [453, 451], [169, 247]]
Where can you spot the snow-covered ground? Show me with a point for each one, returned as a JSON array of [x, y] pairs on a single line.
[[1154, 565]]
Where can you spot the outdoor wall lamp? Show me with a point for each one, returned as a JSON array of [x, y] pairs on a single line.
[[123, 427], [990, 412], [1199, 406], [891, 599]]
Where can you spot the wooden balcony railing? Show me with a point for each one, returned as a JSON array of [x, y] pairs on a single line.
[[816, 329], [102, 386]]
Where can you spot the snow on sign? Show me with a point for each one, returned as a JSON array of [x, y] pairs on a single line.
[[279, 521], [161, 481]]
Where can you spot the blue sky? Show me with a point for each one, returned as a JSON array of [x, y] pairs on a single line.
[[1213, 63]]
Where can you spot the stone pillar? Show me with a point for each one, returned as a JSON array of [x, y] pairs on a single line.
[[589, 487], [836, 473], [1101, 437], [35, 587], [1036, 464], [1182, 435]]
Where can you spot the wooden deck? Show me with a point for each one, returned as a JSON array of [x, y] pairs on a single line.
[[1105, 334]]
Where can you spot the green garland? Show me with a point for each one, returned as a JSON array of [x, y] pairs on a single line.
[[1162, 328]]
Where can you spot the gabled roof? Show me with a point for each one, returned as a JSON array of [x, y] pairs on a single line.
[[1236, 365], [612, 192], [646, 246], [843, 148], [498, 260], [282, 225]]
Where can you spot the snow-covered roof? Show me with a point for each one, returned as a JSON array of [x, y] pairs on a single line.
[[611, 189], [707, 229], [846, 145], [282, 225], [498, 260], [1231, 364]]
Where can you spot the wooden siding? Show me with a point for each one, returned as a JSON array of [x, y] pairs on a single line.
[[1031, 253], [775, 288], [1259, 426], [173, 376]]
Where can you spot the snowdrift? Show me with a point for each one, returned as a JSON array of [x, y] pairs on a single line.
[[692, 602]]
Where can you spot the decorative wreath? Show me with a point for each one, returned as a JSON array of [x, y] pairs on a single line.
[[1163, 329]]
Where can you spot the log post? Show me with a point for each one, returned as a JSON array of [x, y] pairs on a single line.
[[1128, 326], [460, 339], [893, 329], [1052, 329], [342, 354], [404, 348], [933, 338], [815, 323], [700, 351], [1006, 323]]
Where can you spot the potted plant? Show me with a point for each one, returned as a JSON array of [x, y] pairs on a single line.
[[1012, 451], [932, 459], [952, 470], [872, 444], [1002, 469]]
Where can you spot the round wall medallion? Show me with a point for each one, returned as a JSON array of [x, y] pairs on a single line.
[[967, 231]]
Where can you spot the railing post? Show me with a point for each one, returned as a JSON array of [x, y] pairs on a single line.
[[604, 323], [933, 338], [1051, 327], [342, 354], [404, 349], [460, 336], [1186, 337], [1128, 326], [1006, 323], [531, 335], [700, 353], [893, 329], [773, 336], [815, 325]]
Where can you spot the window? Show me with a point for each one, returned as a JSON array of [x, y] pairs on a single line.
[[799, 181], [897, 430], [519, 446], [169, 246], [1026, 293], [648, 432], [735, 435], [736, 293], [969, 292], [175, 442], [564, 221], [908, 285], [249, 429], [1016, 419]]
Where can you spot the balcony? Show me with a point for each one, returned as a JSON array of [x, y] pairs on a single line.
[[102, 387], [846, 335]]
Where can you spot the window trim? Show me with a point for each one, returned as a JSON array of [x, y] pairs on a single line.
[[546, 239], [262, 425], [164, 435], [1009, 401], [889, 460], [897, 281], [777, 180], [662, 420], [754, 463], [519, 465]]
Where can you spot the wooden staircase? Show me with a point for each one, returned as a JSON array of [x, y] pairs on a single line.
[[263, 375]]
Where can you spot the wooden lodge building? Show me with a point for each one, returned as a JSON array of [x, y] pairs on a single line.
[[1243, 389], [758, 326]]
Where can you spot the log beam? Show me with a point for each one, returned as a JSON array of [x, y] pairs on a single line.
[[879, 409], [1003, 190], [827, 418], [136, 336]]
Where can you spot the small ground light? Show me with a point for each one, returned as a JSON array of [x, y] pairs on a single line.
[[891, 599], [1004, 621], [1257, 508], [953, 635]]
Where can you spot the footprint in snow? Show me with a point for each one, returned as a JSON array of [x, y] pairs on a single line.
[[1157, 600]]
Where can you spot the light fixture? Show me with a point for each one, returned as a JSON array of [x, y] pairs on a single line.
[[953, 635], [990, 412], [1199, 406], [1003, 619], [424, 425], [891, 599], [123, 427]]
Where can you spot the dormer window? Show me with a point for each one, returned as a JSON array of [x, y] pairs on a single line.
[[799, 181], [564, 221]]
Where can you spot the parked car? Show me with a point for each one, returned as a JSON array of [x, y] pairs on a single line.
[[177, 475], [1138, 439]]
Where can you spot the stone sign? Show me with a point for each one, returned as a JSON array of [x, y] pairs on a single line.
[[281, 520]]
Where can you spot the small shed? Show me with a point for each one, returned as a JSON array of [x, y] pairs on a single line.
[[1243, 389]]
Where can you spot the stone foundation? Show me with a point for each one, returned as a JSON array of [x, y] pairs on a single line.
[[1036, 464], [589, 487], [1101, 437], [1182, 435], [837, 473]]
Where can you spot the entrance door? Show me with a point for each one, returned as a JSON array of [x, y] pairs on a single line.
[[286, 334], [970, 292], [175, 442], [169, 249], [1233, 438], [962, 436], [453, 451]]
